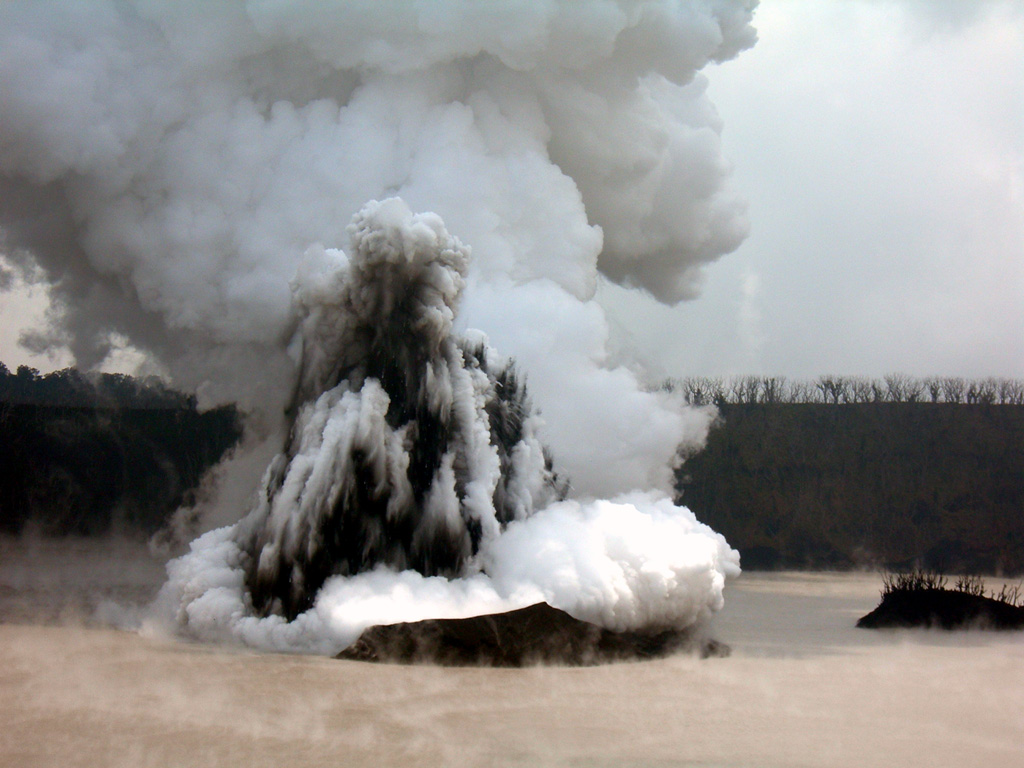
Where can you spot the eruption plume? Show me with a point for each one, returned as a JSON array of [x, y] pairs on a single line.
[[182, 174], [408, 449]]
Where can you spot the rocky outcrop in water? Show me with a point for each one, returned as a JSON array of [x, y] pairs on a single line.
[[538, 634], [942, 608]]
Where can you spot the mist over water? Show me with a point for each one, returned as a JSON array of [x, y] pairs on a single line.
[[802, 687]]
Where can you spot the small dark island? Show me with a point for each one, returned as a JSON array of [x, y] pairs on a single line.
[[537, 634], [922, 599]]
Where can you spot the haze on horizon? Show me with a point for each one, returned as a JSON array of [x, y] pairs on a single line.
[[880, 146]]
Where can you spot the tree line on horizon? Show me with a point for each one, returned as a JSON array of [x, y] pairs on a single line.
[[834, 389], [837, 472], [92, 454], [891, 484], [71, 387]]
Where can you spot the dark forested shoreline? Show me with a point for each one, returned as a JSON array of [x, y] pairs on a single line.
[[837, 473], [90, 455], [886, 483]]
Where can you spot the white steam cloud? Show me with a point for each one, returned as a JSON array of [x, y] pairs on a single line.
[[182, 171], [635, 562]]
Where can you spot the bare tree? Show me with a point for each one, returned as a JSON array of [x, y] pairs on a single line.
[[913, 389], [696, 391], [988, 391], [860, 390], [744, 389], [896, 385], [800, 392], [772, 389], [878, 392], [833, 389], [1011, 392], [953, 389], [716, 390], [701, 390], [824, 386]]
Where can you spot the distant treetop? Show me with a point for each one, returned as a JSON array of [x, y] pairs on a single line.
[[70, 387], [832, 389]]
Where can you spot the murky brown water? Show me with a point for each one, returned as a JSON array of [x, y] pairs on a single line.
[[803, 687]]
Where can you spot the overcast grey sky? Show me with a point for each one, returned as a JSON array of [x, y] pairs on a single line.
[[880, 146]]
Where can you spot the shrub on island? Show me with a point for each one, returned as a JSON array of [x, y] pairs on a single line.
[[922, 599]]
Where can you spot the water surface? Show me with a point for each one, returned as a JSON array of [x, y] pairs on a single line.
[[803, 687]]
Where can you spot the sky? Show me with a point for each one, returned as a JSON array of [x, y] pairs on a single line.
[[880, 149]]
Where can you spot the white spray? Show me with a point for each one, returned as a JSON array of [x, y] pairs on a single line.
[[183, 171]]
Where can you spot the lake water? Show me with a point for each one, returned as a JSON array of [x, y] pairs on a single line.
[[803, 687]]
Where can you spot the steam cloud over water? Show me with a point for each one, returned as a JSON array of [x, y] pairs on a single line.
[[184, 175]]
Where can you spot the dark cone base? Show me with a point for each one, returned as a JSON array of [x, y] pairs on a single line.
[[538, 634]]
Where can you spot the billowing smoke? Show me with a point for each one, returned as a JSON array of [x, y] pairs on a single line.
[[408, 449], [185, 173]]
